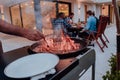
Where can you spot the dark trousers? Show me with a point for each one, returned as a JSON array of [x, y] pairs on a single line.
[[74, 31], [83, 35]]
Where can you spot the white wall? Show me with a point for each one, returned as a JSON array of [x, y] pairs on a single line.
[[82, 12], [98, 11], [76, 11], [76, 4], [91, 6]]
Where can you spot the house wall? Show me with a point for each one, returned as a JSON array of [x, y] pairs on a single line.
[[98, 11], [93, 7], [82, 12], [77, 7]]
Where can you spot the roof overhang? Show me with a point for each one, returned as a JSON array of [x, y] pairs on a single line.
[[13, 2]]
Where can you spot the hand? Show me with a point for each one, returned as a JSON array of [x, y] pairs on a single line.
[[33, 35]]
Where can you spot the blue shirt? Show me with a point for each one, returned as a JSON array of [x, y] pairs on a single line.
[[91, 24], [61, 21], [60, 24], [68, 19]]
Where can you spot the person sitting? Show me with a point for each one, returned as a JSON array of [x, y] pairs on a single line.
[[70, 29], [30, 34], [69, 18], [90, 25], [60, 23]]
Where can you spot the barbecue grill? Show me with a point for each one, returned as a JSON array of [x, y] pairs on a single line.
[[74, 53], [71, 68], [77, 62]]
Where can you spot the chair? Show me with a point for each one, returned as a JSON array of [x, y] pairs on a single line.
[[106, 19], [100, 33]]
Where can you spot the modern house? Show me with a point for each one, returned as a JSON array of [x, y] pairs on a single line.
[[21, 12]]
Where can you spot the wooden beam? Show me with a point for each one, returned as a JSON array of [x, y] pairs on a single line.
[[117, 16]]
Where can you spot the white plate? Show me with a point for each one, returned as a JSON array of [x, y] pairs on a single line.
[[31, 65]]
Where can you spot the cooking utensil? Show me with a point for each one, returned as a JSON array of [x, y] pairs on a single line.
[[82, 42]]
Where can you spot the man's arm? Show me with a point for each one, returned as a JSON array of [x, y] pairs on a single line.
[[88, 24], [66, 24], [10, 29], [15, 30]]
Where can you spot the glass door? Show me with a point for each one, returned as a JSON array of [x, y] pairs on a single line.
[[86, 8], [28, 17], [15, 15], [23, 14], [64, 7]]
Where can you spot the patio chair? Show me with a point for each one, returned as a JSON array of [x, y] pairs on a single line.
[[100, 33]]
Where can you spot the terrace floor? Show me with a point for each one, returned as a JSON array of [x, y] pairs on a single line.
[[13, 42]]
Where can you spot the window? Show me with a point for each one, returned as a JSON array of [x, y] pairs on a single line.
[[15, 15], [1, 12], [105, 10], [48, 12], [62, 7], [23, 14], [28, 16]]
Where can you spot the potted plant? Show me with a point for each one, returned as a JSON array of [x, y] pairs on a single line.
[[113, 74]]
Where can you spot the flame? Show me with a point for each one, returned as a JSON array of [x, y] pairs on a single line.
[[53, 45]]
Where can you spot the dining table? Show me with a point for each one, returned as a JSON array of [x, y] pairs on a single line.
[[74, 30]]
